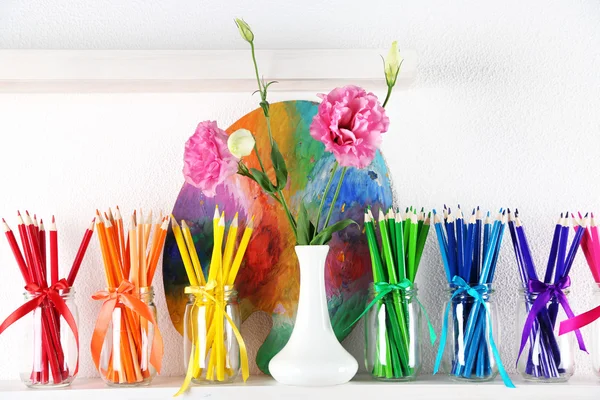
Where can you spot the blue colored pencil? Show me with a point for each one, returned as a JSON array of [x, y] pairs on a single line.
[[553, 251], [451, 245], [469, 248], [460, 243], [477, 255]]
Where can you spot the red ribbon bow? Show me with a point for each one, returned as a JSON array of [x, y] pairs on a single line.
[[52, 295], [111, 298]]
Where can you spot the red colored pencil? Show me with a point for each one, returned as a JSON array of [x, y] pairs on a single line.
[[12, 241], [25, 244], [81, 253], [53, 252], [42, 242]]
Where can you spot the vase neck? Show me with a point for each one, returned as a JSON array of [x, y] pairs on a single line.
[[312, 305]]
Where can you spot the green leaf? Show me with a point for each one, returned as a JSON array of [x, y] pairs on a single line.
[[281, 171], [263, 180], [303, 227], [325, 235], [265, 106], [269, 84]]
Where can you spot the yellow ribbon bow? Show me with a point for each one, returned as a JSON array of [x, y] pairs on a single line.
[[203, 292]]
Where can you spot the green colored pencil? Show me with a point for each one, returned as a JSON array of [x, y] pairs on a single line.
[[421, 241], [391, 221], [400, 259], [412, 246]]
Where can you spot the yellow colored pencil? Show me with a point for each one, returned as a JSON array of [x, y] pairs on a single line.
[[187, 235], [218, 313], [237, 261], [230, 245], [187, 263]]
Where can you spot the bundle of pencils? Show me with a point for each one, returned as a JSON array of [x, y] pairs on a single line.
[[129, 257], [542, 298], [40, 271], [209, 359], [395, 262], [470, 251]]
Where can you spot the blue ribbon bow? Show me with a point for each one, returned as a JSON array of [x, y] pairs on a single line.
[[476, 292], [546, 292]]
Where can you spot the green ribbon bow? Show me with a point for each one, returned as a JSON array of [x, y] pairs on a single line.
[[382, 289]]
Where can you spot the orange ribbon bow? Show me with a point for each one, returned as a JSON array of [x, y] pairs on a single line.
[[111, 298], [52, 295]]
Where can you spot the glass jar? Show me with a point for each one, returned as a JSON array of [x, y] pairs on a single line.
[[125, 356], [214, 361], [595, 347], [468, 351], [392, 335], [547, 357], [50, 349]]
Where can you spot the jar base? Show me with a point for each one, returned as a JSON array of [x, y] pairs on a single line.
[[399, 380], [214, 382], [540, 379], [144, 382], [48, 385], [474, 379]]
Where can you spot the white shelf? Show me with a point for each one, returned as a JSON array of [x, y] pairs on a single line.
[[192, 70], [264, 388]]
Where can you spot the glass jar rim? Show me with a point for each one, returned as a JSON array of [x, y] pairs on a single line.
[[489, 286], [64, 293], [412, 290], [229, 291], [524, 291]]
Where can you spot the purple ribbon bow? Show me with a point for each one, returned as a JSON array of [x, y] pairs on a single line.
[[546, 292]]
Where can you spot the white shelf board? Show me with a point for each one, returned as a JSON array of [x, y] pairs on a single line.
[[265, 388], [40, 71]]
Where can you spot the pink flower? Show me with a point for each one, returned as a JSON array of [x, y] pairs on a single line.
[[207, 161], [350, 123]]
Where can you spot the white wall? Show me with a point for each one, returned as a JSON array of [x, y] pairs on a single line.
[[504, 112]]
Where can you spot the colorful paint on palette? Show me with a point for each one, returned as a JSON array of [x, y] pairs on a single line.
[[269, 278]]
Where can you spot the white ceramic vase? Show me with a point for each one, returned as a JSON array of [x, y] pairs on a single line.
[[313, 356]]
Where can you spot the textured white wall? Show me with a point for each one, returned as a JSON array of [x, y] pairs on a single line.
[[504, 112]]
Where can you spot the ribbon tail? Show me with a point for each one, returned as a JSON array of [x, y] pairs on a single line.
[[574, 323], [21, 312], [537, 306], [377, 298], [565, 304], [64, 310], [501, 369], [190, 370], [442, 344], [156, 353], [432, 335], [100, 330], [238, 336], [243, 351]]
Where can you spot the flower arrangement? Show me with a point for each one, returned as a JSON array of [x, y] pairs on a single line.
[[350, 123]]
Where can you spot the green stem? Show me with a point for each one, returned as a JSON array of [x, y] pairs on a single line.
[[263, 96], [335, 165], [387, 96], [262, 167], [260, 88], [268, 118], [288, 213], [335, 196]]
